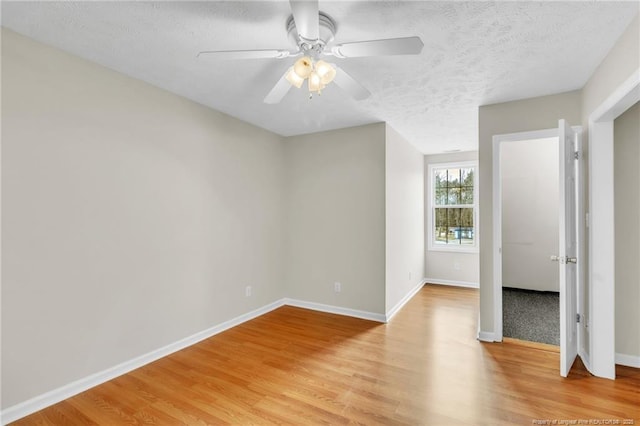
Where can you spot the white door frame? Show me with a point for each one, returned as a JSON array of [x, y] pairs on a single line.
[[497, 218], [601, 227]]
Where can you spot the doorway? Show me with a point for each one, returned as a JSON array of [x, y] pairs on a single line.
[[570, 241], [530, 179]]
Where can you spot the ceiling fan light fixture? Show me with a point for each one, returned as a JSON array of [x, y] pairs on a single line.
[[293, 78], [303, 67], [325, 71], [312, 32]]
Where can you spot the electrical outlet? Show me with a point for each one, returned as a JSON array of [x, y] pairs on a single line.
[[410, 275], [337, 287], [247, 291], [456, 266]]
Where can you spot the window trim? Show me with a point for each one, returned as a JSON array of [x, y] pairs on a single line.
[[432, 246]]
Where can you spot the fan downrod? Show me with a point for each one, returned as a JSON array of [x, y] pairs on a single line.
[[326, 31]]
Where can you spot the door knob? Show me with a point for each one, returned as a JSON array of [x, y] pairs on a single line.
[[572, 260], [554, 258]]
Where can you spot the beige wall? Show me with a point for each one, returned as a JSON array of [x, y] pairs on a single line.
[[617, 66], [510, 117], [404, 218], [530, 193], [131, 218], [336, 217], [443, 266], [627, 225]]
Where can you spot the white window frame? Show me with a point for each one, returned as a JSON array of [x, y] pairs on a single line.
[[432, 246]]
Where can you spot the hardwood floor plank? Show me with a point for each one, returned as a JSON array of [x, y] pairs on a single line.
[[295, 366], [62, 414]]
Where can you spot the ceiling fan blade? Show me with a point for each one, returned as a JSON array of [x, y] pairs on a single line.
[[279, 90], [390, 46], [244, 54], [349, 85], [306, 16]]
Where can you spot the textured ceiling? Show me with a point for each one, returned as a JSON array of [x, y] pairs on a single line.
[[475, 53]]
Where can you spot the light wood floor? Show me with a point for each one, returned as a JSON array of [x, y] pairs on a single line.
[[294, 366]]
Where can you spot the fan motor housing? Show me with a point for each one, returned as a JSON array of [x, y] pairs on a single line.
[[326, 33]]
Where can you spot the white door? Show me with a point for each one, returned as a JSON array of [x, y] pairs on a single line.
[[568, 247]]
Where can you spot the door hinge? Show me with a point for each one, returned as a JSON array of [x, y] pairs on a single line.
[[576, 155], [577, 317]]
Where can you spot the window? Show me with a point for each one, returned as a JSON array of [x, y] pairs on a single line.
[[453, 206]]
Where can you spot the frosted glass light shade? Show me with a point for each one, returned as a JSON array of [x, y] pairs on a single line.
[[303, 67], [325, 71], [315, 85], [294, 78]]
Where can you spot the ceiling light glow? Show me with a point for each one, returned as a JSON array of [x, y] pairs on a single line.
[[315, 85], [303, 67], [293, 78], [318, 74], [325, 71]]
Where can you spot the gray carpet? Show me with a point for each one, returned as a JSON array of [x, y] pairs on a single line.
[[531, 315]]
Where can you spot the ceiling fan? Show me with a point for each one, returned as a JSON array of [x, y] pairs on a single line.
[[311, 31]]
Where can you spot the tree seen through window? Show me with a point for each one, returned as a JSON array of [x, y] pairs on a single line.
[[453, 206]]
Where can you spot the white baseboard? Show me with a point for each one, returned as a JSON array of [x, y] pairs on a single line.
[[336, 310], [451, 282], [628, 360], [404, 300], [54, 396], [486, 336]]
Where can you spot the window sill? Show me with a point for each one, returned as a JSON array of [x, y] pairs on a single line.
[[454, 249]]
